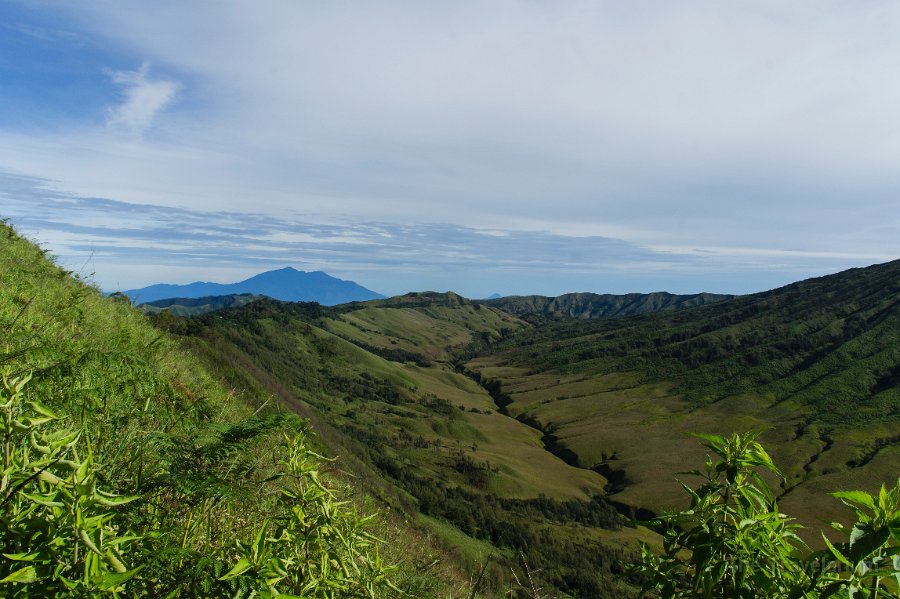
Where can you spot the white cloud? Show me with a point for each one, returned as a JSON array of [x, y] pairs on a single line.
[[143, 99], [767, 126]]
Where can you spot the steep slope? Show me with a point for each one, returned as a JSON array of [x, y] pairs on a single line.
[[286, 284], [816, 362], [592, 305], [428, 437], [129, 471]]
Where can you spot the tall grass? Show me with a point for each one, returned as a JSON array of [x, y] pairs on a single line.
[[127, 470]]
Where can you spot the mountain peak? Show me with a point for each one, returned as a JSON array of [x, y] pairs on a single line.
[[286, 284]]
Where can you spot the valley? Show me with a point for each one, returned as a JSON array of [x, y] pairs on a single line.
[[530, 434]]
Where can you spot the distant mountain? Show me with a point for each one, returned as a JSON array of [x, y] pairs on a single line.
[[494, 296], [593, 305], [286, 284], [192, 306]]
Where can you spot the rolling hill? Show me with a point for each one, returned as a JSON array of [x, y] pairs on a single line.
[[192, 306], [286, 284], [501, 434], [381, 384]]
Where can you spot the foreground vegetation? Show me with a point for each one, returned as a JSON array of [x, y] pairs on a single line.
[[732, 541], [128, 471]]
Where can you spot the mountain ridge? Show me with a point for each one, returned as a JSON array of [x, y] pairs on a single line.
[[285, 284], [586, 305]]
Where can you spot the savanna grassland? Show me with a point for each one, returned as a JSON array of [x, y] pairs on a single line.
[[816, 364], [501, 448]]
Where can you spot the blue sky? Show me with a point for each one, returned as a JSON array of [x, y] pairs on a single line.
[[511, 147]]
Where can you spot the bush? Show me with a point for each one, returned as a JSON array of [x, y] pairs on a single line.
[[733, 542]]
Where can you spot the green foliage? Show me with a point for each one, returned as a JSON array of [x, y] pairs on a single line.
[[129, 471], [733, 542], [60, 532], [316, 546], [831, 343], [871, 555]]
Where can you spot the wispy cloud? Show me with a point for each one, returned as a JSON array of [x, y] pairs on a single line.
[[131, 245], [712, 139], [143, 98]]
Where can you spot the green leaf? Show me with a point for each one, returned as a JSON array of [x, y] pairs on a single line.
[[857, 497], [112, 580], [110, 500], [239, 568], [843, 559], [22, 576], [42, 409], [865, 540], [22, 557]]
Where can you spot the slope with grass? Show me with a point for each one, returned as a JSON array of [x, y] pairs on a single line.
[[429, 326], [429, 439], [129, 471], [815, 363]]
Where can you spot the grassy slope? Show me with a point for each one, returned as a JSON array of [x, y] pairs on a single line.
[[817, 361], [430, 325], [159, 427], [421, 427]]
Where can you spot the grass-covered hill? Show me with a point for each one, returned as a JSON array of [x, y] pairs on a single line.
[[379, 382], [509, 437], [816, 362], [192, 306], [127, 470], [593, 305]]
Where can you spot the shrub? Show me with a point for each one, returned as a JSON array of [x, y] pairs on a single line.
[[733, 542]]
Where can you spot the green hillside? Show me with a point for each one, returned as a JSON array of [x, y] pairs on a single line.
[[815, 362], [129, 471], [427, 438], [593, 305], [430, 326], [503, 437]]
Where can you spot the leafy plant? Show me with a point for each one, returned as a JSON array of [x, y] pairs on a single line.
[[871, 555], [315, 546], [59, 531], [732, 541]]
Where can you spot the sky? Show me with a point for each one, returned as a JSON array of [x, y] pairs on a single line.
[[512, 146]]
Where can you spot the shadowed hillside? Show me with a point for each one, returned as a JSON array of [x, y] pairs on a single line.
[[192, 306], [592, 305]]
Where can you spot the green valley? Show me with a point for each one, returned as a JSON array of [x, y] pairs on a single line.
[[514, 442], [530, 432]]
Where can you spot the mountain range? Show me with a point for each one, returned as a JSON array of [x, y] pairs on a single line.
[[285, 284], [533, 424]]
